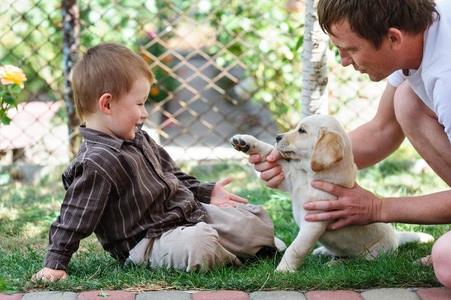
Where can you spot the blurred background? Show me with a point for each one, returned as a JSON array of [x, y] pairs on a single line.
[[222, 67]]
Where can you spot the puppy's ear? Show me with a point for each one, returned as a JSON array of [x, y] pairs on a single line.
[[329, 149]]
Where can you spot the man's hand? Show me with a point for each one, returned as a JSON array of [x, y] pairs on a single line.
[[355, 206], [220, 197], [48, 274], [270, 171]]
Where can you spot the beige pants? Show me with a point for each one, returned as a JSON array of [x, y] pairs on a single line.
[[228, 234]]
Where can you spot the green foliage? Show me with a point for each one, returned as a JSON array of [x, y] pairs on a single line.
[[258, 36], [267, 39], [398, 177], [11, 85], [31, 39], [5, 287]]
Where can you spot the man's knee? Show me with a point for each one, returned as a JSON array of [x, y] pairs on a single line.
[[407, 106], [441, 259]]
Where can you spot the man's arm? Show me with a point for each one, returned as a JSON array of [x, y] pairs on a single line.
[[358, 206], [377, 139], [371, 142], [270, 170]]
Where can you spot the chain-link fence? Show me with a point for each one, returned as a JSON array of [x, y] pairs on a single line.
[[222, 67]]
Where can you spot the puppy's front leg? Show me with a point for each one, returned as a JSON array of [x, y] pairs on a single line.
[[250, 145], [308, 235]]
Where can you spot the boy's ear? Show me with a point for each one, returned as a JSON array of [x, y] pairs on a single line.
[[105, 103]]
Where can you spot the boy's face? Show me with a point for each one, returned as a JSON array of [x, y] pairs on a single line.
[[128, 112]]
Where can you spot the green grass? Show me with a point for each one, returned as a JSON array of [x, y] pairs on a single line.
[[27, 212]]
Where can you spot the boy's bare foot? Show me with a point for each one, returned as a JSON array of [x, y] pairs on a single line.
[[424, 261]]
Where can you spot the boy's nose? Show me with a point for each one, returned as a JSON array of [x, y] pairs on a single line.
[[144, 113]]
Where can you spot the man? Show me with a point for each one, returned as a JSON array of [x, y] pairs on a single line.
[[409, 42]]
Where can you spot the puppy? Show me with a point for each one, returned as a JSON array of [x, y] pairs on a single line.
[[320, 149]]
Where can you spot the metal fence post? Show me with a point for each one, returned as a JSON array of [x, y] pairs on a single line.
[[70, 31]]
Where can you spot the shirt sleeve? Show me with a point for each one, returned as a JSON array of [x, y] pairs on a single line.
[[81, 210], [202, 191], [396, 78]]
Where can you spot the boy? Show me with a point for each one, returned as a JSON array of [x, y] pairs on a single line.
[[128, 191]]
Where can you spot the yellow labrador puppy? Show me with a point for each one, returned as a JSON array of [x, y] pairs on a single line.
[[320, 149]]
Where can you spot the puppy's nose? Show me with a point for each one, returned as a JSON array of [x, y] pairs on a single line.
[[278, 138]]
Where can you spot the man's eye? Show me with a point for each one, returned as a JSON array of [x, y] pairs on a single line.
[[302, 130]]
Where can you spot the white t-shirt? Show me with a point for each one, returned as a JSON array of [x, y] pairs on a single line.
[[432, 81]]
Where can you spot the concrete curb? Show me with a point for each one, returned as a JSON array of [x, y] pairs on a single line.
[[376, 294]]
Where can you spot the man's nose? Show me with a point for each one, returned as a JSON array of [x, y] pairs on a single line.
[[346, 60]]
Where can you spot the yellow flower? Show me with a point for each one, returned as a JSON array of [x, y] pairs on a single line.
[[10, 74]]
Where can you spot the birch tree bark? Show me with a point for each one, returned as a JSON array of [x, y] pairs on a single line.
[[314, 64], [70, 31]]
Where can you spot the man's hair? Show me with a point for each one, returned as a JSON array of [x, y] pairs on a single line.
[[372, 19], [106, 68]]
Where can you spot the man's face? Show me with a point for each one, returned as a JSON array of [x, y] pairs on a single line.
[[361, 53]]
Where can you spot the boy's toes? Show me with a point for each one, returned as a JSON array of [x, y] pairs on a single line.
[[424, 261]]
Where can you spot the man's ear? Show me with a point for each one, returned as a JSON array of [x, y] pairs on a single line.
[[105, 103], [395, 38]]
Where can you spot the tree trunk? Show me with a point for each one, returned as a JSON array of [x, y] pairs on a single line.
[[70, 31], [314, 64]]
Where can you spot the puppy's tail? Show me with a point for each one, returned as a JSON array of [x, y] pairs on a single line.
[[405, 237]]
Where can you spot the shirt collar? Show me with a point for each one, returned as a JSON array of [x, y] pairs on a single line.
[[98, 137]]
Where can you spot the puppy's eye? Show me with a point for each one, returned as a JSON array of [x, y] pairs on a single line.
[[302, 130]]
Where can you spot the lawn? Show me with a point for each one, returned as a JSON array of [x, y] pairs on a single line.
[[26, 213]]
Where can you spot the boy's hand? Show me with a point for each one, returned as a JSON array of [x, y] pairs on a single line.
[[48, 274], [220, 197]]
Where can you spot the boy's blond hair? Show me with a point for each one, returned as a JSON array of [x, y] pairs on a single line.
[[106, 68]]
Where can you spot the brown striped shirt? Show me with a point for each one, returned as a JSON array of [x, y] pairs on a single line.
[[122, 191]]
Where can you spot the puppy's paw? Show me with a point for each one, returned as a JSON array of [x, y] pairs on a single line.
[[284, 268], [335, 261], [322, 251], [245, 143]]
